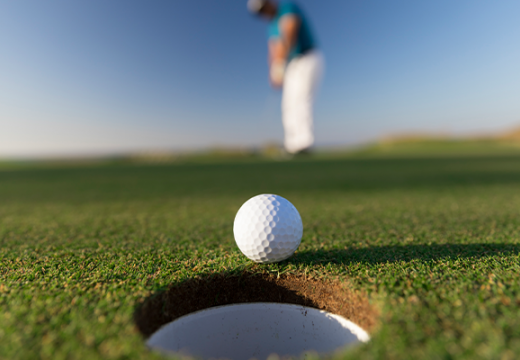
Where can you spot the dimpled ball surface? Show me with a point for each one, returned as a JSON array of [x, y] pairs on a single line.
[[268, 228]]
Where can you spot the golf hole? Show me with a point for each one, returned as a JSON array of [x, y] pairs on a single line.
[[246, 331], [240, 317]]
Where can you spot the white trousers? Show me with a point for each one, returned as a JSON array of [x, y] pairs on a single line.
[[302, 77]]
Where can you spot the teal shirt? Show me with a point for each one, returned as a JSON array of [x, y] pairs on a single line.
[[305, 40]]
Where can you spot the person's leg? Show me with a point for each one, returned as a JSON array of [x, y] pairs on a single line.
[[300, 83]]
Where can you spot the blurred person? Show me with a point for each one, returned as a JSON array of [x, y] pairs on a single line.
[[294, 64]]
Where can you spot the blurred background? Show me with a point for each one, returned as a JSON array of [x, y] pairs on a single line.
[[99, 78]]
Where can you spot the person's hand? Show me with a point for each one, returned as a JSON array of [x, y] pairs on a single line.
[[277, 73]]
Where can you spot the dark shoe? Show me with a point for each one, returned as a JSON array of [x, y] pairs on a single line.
[[304, 153]]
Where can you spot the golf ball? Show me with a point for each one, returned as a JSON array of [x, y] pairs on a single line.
[[268, 228]]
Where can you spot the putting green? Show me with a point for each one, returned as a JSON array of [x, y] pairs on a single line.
[[432, 242]]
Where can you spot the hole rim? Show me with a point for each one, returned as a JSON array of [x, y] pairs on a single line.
[[352, 333]]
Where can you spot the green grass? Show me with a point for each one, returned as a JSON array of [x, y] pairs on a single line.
[[434, 242], [438, 147]]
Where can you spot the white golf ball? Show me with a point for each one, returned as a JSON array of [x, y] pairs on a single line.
[[268, 228]]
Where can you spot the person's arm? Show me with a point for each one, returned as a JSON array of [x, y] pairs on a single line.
[[279, 48], [289, 28]]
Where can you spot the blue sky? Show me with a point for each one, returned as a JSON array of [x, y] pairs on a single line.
[[99, 77]]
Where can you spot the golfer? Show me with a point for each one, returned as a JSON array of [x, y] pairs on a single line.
[[294, 64]]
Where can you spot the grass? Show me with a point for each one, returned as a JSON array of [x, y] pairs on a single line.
[[434, 242], [417, 148]]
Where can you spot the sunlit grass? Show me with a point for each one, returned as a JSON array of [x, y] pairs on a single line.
[[434, 243]]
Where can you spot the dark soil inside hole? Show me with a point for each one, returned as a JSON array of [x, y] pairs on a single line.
[[224, 289]]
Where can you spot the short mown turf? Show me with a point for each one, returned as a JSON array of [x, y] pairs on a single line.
[[434, 243]]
